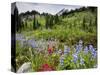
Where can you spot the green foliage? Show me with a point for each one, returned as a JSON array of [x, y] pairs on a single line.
[[67, 29]]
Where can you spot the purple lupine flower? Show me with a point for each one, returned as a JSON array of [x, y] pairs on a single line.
[[86, 50], [81, 61], [19, 37], [80, 44], [78, 48], [91, 47], [32, 43], [94, 54], [93, 51], [66, 50], [62, 60], [75, 57]]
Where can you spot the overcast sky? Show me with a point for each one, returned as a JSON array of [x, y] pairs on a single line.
[[40, 7]]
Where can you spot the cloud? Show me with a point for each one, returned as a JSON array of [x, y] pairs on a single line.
[[42, 7]]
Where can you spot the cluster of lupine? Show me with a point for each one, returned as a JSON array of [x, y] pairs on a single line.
[[62, 60], [25, 42], [66, 50], [78, 49], [93, 51], [21, 38], [41, 44], [79, 53]]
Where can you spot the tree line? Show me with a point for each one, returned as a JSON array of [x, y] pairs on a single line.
[[50, 20]]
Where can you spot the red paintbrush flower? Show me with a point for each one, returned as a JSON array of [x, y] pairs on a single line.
[[46, 67], [50, 51]]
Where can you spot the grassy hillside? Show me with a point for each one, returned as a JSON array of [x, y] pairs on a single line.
[[69, 29]]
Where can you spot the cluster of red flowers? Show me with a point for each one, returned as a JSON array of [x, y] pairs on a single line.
[[46, 67], [50, 50]]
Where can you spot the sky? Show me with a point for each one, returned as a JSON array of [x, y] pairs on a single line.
[[42, 7]]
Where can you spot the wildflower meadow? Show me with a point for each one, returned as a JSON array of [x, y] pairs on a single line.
[[55, 37]]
